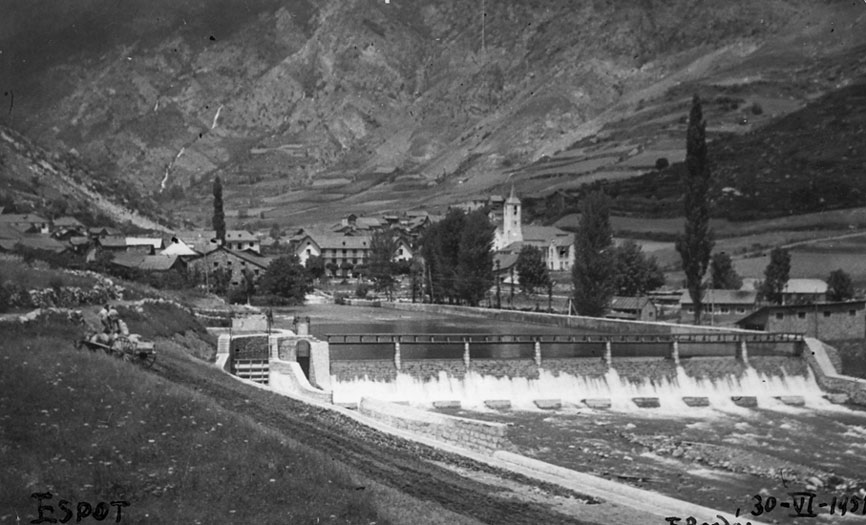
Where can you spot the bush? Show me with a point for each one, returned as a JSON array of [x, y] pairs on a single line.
[[756, 109], [237, 295], [662, 163], [340, 298], [362, 290]]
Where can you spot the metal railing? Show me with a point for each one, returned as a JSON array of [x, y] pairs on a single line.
[[452, 338]]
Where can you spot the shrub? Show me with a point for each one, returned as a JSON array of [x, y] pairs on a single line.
[[362, 290], [756, 109], [237, 295], [662, 163], [339, 298]]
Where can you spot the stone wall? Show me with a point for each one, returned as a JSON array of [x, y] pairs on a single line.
[[478, 435], [633, 369], [429, 368], [589, 367], [637, 370], [828, 377], [373, 369]]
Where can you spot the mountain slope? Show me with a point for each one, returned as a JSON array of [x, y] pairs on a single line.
[[392, 104]]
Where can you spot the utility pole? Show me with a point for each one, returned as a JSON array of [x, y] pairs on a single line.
[[511, 297], [498, 296]]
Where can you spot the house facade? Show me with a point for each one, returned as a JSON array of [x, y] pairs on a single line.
[[236, 263], [337, 250], [720, 306], [633, 308], [557, 246], [826, 321]]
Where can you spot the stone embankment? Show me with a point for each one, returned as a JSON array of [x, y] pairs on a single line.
[[482, 436]]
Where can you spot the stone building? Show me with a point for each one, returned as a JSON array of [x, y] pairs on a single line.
[[235, 262], [825, 321]]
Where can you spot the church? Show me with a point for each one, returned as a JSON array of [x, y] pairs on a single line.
[[557, 246]]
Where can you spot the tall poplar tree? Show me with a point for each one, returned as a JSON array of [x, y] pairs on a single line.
[[593, 272], [219, 216], [695, 245]]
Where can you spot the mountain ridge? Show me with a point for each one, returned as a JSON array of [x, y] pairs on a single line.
[[398, 99]]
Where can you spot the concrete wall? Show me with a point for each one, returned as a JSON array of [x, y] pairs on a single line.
[[286, 376], [828, 377], [285, 347], [839, 324], [482, 436], [593, 324], [250, 323]]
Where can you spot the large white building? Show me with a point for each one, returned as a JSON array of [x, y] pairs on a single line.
[[509, 222], [557, 246]]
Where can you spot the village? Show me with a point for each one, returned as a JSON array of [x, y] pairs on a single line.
[[343, 249]]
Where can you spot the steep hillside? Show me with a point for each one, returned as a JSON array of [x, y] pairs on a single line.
[[384, 105], [811, 160], [52, 185]]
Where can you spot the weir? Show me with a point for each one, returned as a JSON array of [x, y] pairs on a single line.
[[621, 372]]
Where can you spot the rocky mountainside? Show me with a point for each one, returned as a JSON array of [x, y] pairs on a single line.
[[303, 105]]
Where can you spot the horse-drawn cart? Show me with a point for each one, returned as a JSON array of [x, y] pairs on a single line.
[[128, 348]]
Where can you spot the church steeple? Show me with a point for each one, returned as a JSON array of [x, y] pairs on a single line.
[[512, 199], [512, 230]]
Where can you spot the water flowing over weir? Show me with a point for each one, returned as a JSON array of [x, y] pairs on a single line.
[[473, 389]]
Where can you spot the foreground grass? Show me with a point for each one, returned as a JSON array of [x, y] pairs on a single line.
[[87, 427]]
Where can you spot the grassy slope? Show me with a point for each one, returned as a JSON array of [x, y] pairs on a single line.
[[85, 426]]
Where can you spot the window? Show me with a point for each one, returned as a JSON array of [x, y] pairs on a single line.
[[780, 315], [229, 263], [309, 251], [852, 313], [801, 315], [400, 251], [741, 310], [256, 271]]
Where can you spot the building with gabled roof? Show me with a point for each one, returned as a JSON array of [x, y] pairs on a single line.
[[338, 250], [828, 321], [722, 306], [204, 241], [33, 242], [26, 222], [634, 308], [67, 222], [799, 291], [179, 248], [235, 262], [149, 263]]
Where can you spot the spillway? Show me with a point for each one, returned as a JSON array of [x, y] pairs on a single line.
[[473, 389]]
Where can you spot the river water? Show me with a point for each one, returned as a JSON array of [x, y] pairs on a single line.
[[723, 456]]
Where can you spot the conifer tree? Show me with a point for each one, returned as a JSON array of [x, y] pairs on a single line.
[[219, 217], [696, 243], [776, 275]]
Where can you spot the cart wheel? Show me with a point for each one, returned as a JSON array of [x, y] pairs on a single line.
[[147, 359]]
